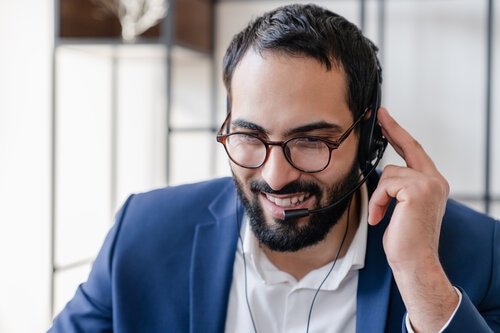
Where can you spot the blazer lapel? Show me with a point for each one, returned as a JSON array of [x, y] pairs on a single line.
[[374, 286], [378, 299], [214, 249]]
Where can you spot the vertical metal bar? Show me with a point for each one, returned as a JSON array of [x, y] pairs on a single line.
[[114, 128], [53, 160], [214, 84], [381, 30], [167, 38], [362, 14], [488, 125]]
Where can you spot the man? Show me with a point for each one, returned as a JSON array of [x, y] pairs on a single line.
[[307, 238]]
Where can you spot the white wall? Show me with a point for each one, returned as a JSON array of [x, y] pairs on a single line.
[[25, 32]]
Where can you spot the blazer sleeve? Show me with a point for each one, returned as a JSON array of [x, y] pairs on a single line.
[[469, 319], [90, 309], [484, 316]]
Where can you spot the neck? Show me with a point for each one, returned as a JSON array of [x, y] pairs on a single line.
[[301, 262]]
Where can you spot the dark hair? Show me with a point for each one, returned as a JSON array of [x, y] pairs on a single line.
[[311, 31]]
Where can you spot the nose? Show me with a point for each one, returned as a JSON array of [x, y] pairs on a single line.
[[277, 171]]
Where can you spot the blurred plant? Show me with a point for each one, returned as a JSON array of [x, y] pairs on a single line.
[[136, 16]]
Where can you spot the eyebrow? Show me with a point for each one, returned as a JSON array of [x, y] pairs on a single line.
[[320, 125], [248, 125]]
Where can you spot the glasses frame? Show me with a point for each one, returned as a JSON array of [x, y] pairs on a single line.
[[332, 145]]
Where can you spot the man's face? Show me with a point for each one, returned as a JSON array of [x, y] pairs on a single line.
[[278, 97]]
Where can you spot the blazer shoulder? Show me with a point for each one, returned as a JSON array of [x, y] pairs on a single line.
[[177, 208], [464, 221], [190, 195], [467, 232]]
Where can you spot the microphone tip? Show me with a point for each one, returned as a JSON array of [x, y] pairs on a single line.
[[293, 214]]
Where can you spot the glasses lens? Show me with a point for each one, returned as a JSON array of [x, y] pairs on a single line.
[[246, 150], [307, 153]]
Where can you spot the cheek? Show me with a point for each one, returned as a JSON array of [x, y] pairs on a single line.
[[341, 165], [243, 176]]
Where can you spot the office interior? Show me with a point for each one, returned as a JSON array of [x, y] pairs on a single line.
[[86, 121]]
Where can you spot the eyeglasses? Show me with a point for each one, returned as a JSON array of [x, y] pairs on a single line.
[[305, 153]]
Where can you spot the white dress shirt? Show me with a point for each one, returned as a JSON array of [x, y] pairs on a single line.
[[279, 303]]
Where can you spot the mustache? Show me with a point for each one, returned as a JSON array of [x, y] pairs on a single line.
[[293, 187]]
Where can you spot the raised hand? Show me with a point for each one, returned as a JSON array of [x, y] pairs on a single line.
[[412, 237]]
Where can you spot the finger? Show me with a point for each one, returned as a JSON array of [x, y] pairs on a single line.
[[378, 207], [387, 189], [407, 186], [404, 144]]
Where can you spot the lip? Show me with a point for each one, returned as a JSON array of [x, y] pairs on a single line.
[[277, 204]]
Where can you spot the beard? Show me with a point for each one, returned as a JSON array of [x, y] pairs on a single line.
[[289, 236]]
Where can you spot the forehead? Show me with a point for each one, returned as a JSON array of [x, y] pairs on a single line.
[[277, 89]]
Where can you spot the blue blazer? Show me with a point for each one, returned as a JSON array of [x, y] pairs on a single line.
[[167, 263]]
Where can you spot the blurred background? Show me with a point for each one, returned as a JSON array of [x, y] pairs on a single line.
[[93, 108]]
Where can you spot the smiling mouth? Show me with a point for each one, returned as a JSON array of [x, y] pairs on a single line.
[[288, 201]]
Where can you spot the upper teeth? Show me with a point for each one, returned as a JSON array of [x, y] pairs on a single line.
[[286, 202]]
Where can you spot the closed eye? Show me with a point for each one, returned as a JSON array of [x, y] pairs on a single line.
[[244, 138], [308, 142]]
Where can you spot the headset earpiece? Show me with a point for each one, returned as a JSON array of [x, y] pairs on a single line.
[[372, 143]]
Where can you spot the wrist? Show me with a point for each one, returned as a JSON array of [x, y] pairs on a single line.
[[429, 296], [416, 263]]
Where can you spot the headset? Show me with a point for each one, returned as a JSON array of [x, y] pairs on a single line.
[[372, 143]]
